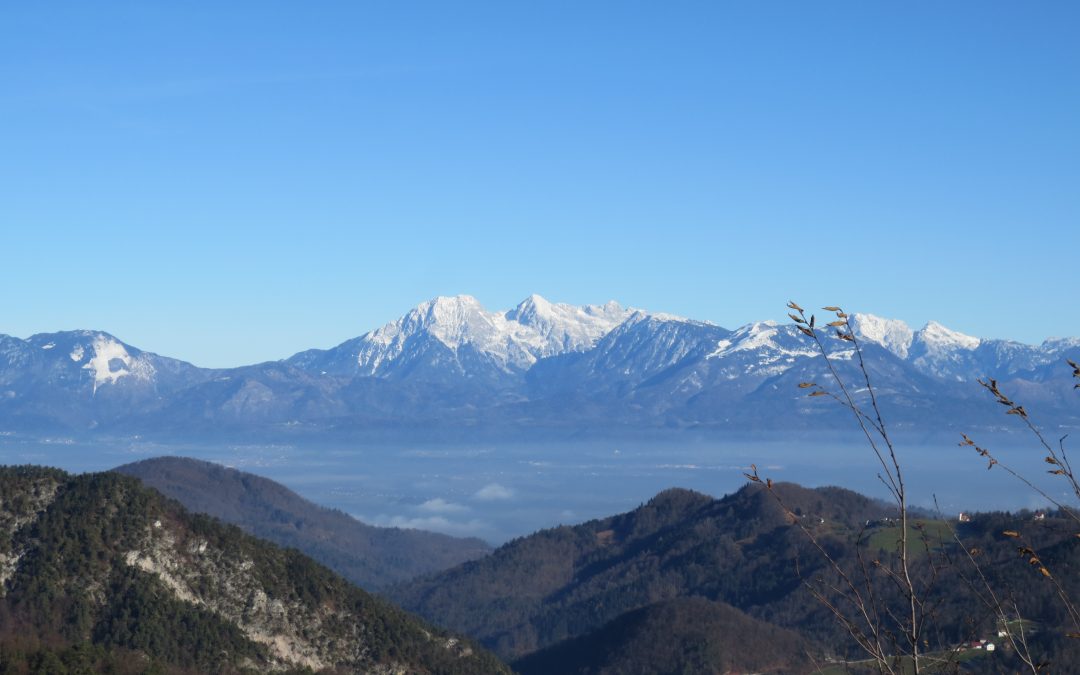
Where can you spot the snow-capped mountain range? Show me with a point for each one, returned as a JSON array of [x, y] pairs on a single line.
[[450, 363], [458, 329]]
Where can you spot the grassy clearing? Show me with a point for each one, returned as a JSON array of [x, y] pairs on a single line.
[[935, 534]]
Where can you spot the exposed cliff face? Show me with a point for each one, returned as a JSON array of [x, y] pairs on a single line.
[[101, 558], [17, 510]]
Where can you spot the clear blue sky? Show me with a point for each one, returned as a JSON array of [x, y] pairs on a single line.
[[234, 182]]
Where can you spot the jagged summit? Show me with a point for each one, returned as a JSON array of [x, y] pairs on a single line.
[[892, 334], [453, 321], [898, 337], [939, 337], [564, 327], [459, 333]]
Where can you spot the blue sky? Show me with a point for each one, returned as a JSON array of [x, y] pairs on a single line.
[[234, 182]]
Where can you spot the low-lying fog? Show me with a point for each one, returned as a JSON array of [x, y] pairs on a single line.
[[498, 492]]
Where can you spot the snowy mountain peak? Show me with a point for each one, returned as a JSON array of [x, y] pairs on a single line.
[[562, 327], [512, 340], [443, 305], [664, 316], [537, 308], [1060, 343], [532, 305], [937, 337], [767, 336], [454, 320], [892, 334]]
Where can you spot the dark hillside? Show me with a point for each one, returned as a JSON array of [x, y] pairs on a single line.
[[746, 551], [675, 637], [568, 581], [371, 557]]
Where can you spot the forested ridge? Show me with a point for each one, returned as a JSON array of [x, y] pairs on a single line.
[[749, 552], [100, 571]]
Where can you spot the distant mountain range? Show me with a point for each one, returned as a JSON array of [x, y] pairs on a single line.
[[449, 367]]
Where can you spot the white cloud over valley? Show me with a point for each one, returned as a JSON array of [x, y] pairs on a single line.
[[493, 492]]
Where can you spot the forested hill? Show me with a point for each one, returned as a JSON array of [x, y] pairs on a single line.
[[568, 581], [101, 571], [371, 557], [676, 636], [576, 595]]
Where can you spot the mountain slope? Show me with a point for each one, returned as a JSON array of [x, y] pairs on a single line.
[[566, 593], [100, 558], [83, 379], [684, 635], [562, 583], [369, 556]]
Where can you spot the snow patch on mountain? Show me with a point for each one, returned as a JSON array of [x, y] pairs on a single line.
[[1057, 344], [761, 335], [761, 348], [892, 334], [111, 362], [752, 336], [77, 353]]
